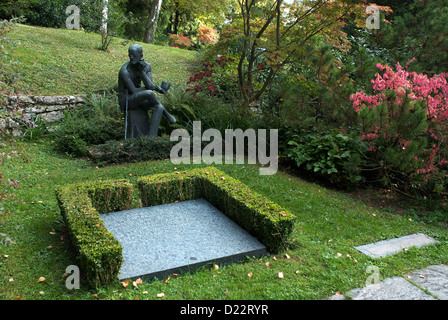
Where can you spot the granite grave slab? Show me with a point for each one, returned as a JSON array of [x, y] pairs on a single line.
[[171, 238]]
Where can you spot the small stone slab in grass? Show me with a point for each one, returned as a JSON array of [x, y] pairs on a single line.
[[393, 246], [170, 238]]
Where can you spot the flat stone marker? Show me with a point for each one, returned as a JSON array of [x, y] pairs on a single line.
[[160, 240], [434, 279], [395, 288], [392, 246]]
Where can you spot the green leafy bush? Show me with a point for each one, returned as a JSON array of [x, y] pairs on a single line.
[[95, 123], [332, 155], [131, 150], [47, 13]]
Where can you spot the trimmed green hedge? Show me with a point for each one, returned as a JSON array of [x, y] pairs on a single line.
[[99, 253], [262, 218]]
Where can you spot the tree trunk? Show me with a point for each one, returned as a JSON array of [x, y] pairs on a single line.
[[104, 16], [151, 25], [176, 18]]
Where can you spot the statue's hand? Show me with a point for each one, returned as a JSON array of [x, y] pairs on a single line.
[[159, 90], [141, 65]]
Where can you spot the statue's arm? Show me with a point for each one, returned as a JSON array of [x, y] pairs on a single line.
[[147, 80], [129, 84]]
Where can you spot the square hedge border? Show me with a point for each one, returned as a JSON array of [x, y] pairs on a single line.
[[100, 254]]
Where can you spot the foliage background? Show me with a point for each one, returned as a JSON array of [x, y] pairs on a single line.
[[263, 70]]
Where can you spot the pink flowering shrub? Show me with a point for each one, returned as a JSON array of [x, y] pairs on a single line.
[[405, 122]]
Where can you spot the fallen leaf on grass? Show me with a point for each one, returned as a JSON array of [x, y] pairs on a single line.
[[137, 282], [280, 275], [167, 280], [250, 274], [125, 283], [160, 295], [41, 279]]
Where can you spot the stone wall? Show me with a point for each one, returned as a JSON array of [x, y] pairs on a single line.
[[49, 108]]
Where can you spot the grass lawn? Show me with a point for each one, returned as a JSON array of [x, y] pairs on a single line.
[[68, 62], [321, 261]]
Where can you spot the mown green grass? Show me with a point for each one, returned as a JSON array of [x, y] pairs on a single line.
[[68, 62], [322, 260]]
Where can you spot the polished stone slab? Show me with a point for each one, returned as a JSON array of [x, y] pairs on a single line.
[[393, 246], [177, 237]]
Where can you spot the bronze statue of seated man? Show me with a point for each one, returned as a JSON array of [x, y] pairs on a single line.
[[135, 100]]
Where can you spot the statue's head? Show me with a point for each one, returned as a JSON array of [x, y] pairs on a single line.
[[135, 53]]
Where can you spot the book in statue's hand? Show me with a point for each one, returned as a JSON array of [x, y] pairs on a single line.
[[165, 86]]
